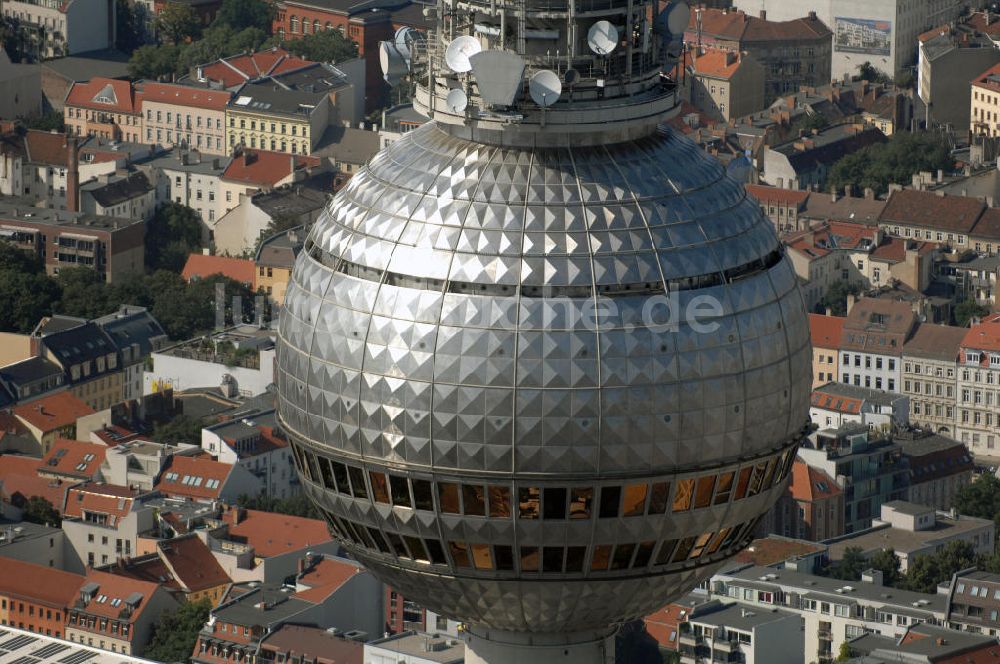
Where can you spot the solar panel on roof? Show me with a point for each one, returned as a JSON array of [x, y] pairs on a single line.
[[18, 642], [50, 650], [26, 659], [77, 657]]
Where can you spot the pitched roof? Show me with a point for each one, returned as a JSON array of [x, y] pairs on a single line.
[[989, 225], [272, 534], [183, 95], [767, 194], [240, 68], [74, 458], [893, 249], [200, 266], [772, 549], [116, 592], [40, 584], [53, 412], [313, 643], [197, 478], [104, 94], [191, 563], [119, 190], [878, 325], [809, 484], [826, 330], [955, 214], [108, 499], [324, 578], [716, 63], [44, 147], [263, 168], [989, 79], [736, 25], [19, 477], [935, 342], [985, 336], [840, 404]]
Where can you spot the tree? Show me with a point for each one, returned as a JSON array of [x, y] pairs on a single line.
[[966, 310], [868, 72], [40, 510], [241, 14], [83, 294], [836, 298], [816, 121], [980, 498], [176, 632], [51, 121], [887, 562], [323, 46], [171, 235], [893, 161], [297, 505], [154, 62], [178, 22], [849, 567], [24, 300], [180, 430], [926, 572], [129, 28], [845, 652]]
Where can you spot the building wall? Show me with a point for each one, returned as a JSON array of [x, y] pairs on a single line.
[[276, 133], [22, 96], [939, 493], [273, 281], [86, 25], [141, 206], [48, 550], [199, 191], [931, 385], [978, 409], [32, 615], [234, 230], [169, 124], [185, 374], [110, 125], [91, 541], [826, 363], [944, 83], [879, 372], [140, 632]]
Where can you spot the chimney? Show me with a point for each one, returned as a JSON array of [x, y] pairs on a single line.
[[869, 194], [73, 177], [812, 16], [829, 311], [291, 163], [851, 301]]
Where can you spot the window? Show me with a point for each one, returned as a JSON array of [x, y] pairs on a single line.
[[610, 498], [683, 495], [635, 500], [529, 502], [580, 504], [554, 503], [499, 499], [474, 499]]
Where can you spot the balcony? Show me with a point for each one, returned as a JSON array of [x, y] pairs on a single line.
[[687, 638]]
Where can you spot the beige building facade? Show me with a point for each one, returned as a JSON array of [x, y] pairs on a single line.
[[183, 115]]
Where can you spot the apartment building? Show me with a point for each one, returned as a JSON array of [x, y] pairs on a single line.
[[104, 107], [135, 462], [136, 334], [728, 632], [102, 523], [255, 442], [111, 246], [985, 103], [57, 28], [794, 53], [87, 356], [782, 207], [190, 178], [275, 259], [40, 168], [872, 341], [812, 508], [835, 404], [117, 613], [974, 602], [804, 162], [36, 598], [832, 611], [126, 195], [32, 542], [833, 252], [939, 468], [931, 216], [726, 85], [55, 416], [232, 72], [191, 117], [948, 58], [978, 387], [929, 365], [202, 479]]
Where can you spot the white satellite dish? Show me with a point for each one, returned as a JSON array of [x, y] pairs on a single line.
[[545, 87], [602, 37], [394, 64], [456, 101], [459, 50], [498, 76], [676, 17], [405, 38]]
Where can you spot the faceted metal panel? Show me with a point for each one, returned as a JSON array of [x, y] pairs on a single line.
[[441, 322]]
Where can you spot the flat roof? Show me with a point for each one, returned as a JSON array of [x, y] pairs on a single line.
[[906, 541], [13, 210], [431, 647], [108, 63], [15, 532], [245, 609], [191, 162], [18, 644], [739, 617], [878, 397]]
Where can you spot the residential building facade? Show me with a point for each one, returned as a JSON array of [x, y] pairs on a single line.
[[726, 85], [978, 388], [56, 28], [929, 366], [106, 108], [731, 632], [193, 118], [939, 468], [872, 341]]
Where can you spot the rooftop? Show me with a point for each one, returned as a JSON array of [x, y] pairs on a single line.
[[985, 336], [74, 458], [953, 214], [826, 330], [14, 210], [935, 342], [313, 643], [324, 577], [235, 70], [197, 478], [183, 95], [810, 483], [200, 266], [280, 250], [828, 145], [443, 649], [19, 481], [927, 643], [716, 63], [739, 617], [53, 412], [846, 208], [114, 502], [115, 190], [266, 604], [30, 370], [904, 541], [774, 549], [24, 647], [833, 390], [185, 563], [348, 145], [114, 593], [106, 63], [737, 25], [266, 169], [104, 94], [767, 194], [39, 583], [13, 532], [272, 534], [190, 161]]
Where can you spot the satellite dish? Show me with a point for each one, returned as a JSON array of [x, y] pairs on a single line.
[[405, 38], [394, 64], [602, 37], [676, 17], [571, 76], [457, 101], [498, 76], [545, 87], [459, 50]]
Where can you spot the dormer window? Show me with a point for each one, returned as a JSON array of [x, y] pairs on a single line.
[[971, 357]]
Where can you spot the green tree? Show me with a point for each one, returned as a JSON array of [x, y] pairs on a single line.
[[40, 510], [816, 121], [845, 652], [849, 567], [887, 562], [129, 29], [966, 310], [980, 498], [241, 14], [835, 298], [893, 161], [51, 121], [154, 62], [178, 22], [24, 300], [868, 72], [171, 235], [298, 505], [323, 46], [926, 572], [180, 430], [82, 293], [176, 632]]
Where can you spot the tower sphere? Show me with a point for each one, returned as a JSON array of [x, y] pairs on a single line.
[[542, 371]]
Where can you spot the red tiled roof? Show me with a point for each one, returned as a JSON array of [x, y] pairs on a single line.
[[110, 499], [809, 484], [736, 25], [850, 235], [988, 227], [40, 584], [272, 534], [53, 412], [766, 194], [82, 95], [198, 478], [833, 402], [263, 168], [934, 32], [767, 551], [200, 266], [183, 95], [325, 578], [983, 80], [113, 435], [955, 214], [19, 477], [113, 587], [985, 336], [70, 457], [805, 244], [893, 249], [192, 564], [240, 68], [716, 63], [663, 625], [826, 330], [44, 147]]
